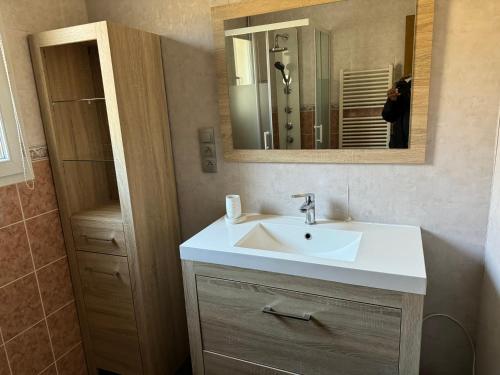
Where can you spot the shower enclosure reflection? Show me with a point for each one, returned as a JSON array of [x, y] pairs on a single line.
[[318, 77]]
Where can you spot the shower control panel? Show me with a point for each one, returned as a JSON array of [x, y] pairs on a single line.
[[208, 155]]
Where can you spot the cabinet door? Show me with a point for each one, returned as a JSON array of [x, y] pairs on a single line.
[[110, 312], [297, 332]]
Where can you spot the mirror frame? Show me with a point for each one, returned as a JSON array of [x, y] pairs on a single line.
[[415, 154]]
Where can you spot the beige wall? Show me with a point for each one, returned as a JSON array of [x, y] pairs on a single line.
[[489, 319], [18, 19], [448, 197]]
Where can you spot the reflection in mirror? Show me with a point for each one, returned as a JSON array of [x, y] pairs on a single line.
[[322, 77]]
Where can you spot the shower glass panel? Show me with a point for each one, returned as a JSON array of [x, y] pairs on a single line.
[[248, 91], [322, 122]]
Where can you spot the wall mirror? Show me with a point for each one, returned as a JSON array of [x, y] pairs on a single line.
[[324, 81]]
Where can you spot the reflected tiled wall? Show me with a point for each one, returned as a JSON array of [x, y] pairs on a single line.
[[39, 328]]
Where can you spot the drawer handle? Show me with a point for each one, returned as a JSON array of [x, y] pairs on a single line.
[[269, 310], [88, 239], [114, 274]]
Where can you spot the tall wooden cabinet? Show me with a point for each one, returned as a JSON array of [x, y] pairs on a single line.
[[103, 101]]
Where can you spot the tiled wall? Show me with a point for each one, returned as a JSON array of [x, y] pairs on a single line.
[[39, 330], [38, 324]]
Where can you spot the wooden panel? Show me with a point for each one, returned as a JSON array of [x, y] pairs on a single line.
[[69, 72], [193, 317], [82, 131], [137, 115], [100, 231], [216, 364], [342, 337], [415, 154], [110, 312], [411, 333], [88, 184], [409, 45], [326, 288]]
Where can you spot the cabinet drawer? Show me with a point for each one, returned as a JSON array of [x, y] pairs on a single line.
[[216, 364], [297, 332], [110, 312], [99, 236]]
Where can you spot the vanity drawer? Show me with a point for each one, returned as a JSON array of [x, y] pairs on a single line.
[[216, 364], [99, 236], [109, 309], [297, 332]]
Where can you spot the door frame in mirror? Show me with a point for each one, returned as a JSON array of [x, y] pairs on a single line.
[[415, 154]]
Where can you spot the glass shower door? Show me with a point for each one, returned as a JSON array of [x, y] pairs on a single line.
[[322, 106]]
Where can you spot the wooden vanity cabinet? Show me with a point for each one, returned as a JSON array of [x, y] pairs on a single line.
[[103, 101], [251, 322]]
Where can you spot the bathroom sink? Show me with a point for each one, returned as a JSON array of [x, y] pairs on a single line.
[[382, 256], [307, 240]]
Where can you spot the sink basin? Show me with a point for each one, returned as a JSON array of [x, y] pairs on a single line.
[[366, 254], [313, 241]]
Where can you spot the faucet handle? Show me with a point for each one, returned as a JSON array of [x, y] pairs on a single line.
[[308, 196]]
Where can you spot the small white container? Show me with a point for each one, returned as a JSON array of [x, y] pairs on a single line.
[[233, 208]]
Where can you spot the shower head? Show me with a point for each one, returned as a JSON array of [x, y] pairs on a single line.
[[279, 65], [277, 47]]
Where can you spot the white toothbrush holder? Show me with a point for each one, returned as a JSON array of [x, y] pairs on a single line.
[[233, 209]]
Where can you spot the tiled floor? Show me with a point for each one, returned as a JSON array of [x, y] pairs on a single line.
[[39, 330]]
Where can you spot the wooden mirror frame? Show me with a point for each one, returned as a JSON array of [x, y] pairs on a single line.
[[415, 154]]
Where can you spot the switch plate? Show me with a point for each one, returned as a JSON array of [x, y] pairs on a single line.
[[208, 153]]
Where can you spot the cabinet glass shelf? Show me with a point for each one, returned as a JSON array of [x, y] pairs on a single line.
[[88, 100]]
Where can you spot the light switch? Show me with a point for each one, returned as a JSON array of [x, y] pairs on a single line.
[[206, 135]]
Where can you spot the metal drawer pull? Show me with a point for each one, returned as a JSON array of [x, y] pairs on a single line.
[[87, 238], [114, 274], [269, 310]]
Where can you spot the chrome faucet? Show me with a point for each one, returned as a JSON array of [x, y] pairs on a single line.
[[309, 207]]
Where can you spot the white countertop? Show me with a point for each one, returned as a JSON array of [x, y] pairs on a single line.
[[389, 256]]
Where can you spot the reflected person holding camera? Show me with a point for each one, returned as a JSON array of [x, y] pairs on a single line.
[[397, 112]]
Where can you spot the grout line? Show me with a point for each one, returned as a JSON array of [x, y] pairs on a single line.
[[32, 272], [39, 321], [46, 368], [19, 278], [62, 356], [69, 350], [43, 213], [5, 351], [25, 330], [51, 263], [11, 224], [60, 308], [37, 283]]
